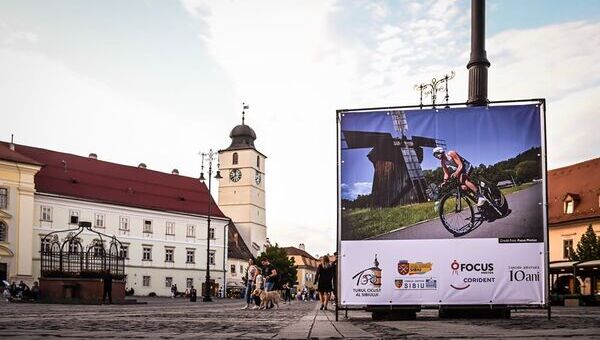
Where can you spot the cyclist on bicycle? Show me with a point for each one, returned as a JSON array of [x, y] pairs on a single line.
[[460, 167]]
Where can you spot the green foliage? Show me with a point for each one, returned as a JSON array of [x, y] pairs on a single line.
[[527, 171], [363, 223], [588, 247], [286, 268]]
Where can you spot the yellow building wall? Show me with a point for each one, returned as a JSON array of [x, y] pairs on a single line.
[[574, 231], [19, 217]]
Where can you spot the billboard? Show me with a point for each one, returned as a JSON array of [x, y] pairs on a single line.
[[442, 206]]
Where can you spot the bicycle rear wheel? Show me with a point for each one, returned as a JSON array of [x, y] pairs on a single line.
[[457, 216]]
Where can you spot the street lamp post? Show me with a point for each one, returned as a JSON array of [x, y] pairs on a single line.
[[210, 156]]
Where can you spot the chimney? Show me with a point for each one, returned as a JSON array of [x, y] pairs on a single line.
[[174, 172], [301, 246], [93, 156], [12, 144], [142, 166]]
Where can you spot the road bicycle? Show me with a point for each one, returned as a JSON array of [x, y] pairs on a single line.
[[458, 208]]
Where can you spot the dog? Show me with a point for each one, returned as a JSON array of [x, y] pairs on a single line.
[[267, 297]]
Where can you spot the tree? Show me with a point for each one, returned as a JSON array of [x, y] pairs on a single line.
[[286, 267], [527, 171], [588, 247]]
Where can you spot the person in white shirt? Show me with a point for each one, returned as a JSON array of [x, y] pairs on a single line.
[[259, 283], [250, 277]]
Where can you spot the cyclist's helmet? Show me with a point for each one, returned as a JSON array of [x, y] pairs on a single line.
[[438, 152]]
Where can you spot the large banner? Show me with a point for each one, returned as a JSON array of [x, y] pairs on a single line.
[[442, 206]]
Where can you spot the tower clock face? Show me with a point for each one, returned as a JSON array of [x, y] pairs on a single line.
[[257, 178], [235, 175]]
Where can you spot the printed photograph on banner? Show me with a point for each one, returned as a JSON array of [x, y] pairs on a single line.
[[444, 173]]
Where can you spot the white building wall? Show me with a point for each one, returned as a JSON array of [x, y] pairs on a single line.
[[135, 267]]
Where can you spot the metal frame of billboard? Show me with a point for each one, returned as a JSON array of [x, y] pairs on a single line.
[[539, 101]]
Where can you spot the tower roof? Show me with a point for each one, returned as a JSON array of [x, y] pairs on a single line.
[[242, 137]]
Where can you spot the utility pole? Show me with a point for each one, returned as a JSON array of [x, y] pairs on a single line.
[[478, 62]]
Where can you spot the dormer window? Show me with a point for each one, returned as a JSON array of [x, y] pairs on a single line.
[[235, 158], [570, 201]]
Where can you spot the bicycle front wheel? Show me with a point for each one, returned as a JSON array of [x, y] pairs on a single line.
[[457, 215]]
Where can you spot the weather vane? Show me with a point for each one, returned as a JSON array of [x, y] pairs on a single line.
[[244, 107], [431, 89]]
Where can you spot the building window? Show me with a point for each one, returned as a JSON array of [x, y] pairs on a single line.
[[147, 226], [46, 214], [124, 251], [169, 254], [189, 282], [190, 256], [45, 246], [241, 268], [99, 220], [98, 248], [232, 269], [147, 254], [567, 248], [146, 281], [3, 232], [569, 207], [191, 230], [258, 162], [211, 233], [3, 198], [168, 282], [75, 247], [73, 217], [123, 223], [211, 257], [235, 158], [170, 228]]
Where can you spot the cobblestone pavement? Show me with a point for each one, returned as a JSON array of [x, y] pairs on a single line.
[[175, 319], [159, 318]]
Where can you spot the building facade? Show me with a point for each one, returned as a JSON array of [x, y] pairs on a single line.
[[306, 265], [160, 218], [573, 206], [238, 255], [242, 189]]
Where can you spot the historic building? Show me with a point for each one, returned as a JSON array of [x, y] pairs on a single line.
[[160, 217], [306, 263], [237, 262], [242, 189], [573, 205]]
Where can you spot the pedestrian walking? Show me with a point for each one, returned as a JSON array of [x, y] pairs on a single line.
[[107, 281], [250, 277], [324, 281]]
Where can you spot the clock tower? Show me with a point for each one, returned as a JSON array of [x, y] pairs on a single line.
[[242, 189]]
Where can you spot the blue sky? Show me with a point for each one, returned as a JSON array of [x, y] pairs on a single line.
[[157, 81], [480, 135]]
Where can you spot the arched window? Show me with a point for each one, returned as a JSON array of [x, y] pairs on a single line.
[[3, 232], [258, 162], [235, 158]]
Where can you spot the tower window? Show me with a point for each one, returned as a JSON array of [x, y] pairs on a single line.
[[258, 162], [3, 232], [235, 158], [3, 198]]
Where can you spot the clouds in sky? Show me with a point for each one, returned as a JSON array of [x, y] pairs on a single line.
[[168, 81]]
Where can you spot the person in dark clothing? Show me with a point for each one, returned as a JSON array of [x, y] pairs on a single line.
[[107, 279], [270, 275], [335, 269], [324, 281]]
